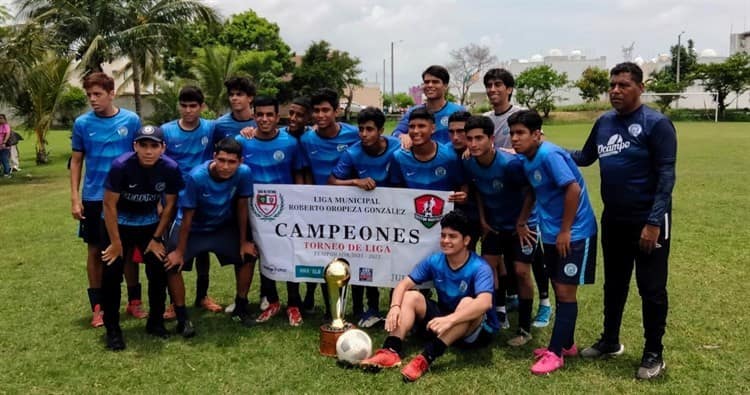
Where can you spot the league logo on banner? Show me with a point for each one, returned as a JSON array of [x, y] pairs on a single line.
[[268, 204], [428, 209]]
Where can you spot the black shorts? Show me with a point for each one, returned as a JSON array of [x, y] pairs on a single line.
[[223, 242], [507, 244], [132, 237], [578, 268], [479, 337], [89, 228]]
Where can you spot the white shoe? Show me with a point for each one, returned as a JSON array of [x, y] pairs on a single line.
[[229, 309], [263, 303]]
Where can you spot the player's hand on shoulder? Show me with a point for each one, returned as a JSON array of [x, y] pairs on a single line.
[[248, 132], [405, 141], [466, 155]]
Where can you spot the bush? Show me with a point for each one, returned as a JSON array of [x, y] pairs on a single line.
[[72, 103], [481, 108]]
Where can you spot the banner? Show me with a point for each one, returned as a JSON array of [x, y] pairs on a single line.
[[382, 233]]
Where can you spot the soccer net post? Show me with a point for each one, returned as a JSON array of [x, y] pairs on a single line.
[[711, 99]]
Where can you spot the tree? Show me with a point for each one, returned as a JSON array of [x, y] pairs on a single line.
[[665, 80], [249, 32], [212, 66], [21, 46], [399, 100], [535, 88], [593, 84], [165, 100], [324, 67], [466, 66], [732, 75]]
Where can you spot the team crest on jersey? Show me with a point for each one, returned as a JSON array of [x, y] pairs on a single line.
[[160, 186], [123, 131], [570, 269], [278, 156], [497, 184], [635, 129], [538, 176], [341, 147], [440, 171], [268, 204], [428, 209], [444, 121], [505, 130], [463, 286], [204, 141]]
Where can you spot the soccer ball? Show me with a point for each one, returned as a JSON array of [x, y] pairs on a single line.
[[353, 346]]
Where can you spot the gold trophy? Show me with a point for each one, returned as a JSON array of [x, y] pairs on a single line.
[[336, 275]]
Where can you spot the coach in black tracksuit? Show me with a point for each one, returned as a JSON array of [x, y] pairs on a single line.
[[636, 147]]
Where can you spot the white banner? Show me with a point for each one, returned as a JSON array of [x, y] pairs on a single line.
[[382, 233]]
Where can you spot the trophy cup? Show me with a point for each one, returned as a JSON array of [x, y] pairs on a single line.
[[336, 275]]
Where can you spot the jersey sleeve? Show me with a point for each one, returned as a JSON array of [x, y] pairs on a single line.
[[188, 196], [558, 168], [115, 178], [588, 154], [663, 144], [403, 124], [344, 168], [245, 186], [174, 181], [422, 272], [77, 140], [484, 280]]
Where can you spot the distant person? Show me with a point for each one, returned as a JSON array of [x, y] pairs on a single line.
[[5, 134], [637, 150]]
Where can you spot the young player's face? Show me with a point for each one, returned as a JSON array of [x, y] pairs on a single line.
[[497, 92], [239, 100], [420, 131], [226, 164], [452, 241], [478, 142], [267, 119], [624, 93], [324, 115], [458, 135], [433, 87], [298, 117], [369, 134], [524, 141], [99, 99], [3, 120], [190, 111], [148, 151]]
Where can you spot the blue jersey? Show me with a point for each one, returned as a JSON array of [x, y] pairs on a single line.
[[323, 153], [272, 161], [141, 188], [441, 134], [441, 173], [501, 185], [227, 126], [470, 280], [356, 163], [189, 148], [101, 140], [549, 172], [212, 200], [637, 154], [286, 129]]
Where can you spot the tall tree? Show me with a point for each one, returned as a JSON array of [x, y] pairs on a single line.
[[324, 67], [466, 66], [593, 84], [665, 80], [732, 75], [212, 66], [536, 86]]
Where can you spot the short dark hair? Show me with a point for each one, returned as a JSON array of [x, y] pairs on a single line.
[[99, 79], [459, 116], [325, 95], [529, 118], [242, 84], [191, 93], [303, 101], [421, 113], [480, 122], [438, 71], [262, 101], [500, 74], [371, 114], [457, 221], [229, 145], [636, 73]]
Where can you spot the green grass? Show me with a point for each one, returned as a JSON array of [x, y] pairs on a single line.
[[46, 345]]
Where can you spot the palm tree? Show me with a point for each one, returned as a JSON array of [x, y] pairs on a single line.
[[212, 66]]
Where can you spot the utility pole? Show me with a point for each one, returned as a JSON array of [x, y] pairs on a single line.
[[677, 73]]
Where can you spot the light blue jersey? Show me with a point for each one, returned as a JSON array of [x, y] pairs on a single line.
[[102, 140], [189, 148], [441, 173], [323, 153], [549, 172], [227, 126], [356, 163], [272, 161], [441, 134]]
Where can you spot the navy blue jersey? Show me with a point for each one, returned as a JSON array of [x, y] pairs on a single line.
[[323, 153], [227, 126], [441, 134], [470, 280], [549, 172], [141, 188], [101, 140], [212, 200], [286, 129], [637, 154], [356, 163], [501, 185], [272, 161], [441, 173], [189, 148]]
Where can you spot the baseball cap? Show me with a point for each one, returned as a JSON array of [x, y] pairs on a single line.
[[151, 133]]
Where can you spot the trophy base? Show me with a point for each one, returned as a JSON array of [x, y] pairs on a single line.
[[329, 336]]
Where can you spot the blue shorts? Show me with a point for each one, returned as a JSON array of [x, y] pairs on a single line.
[[223, 242], [578, 268]]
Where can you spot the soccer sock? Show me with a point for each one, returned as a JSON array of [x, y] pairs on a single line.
[[134, 292], [181, 313], [564, 330], [393, 343], [240, 304], [524, 314], [201, 287], [499, 295], [433, 350], [95, 297]]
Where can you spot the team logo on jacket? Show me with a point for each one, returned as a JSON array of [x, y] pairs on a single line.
[[268, 204], [614, 146], [497, 184], [635, 129], [537, 176], [428, 209]]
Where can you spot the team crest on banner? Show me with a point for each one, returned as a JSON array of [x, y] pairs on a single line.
[[268, 204], [428, 209]]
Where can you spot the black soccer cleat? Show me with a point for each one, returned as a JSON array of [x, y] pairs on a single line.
[[115, 341], [185, 329]]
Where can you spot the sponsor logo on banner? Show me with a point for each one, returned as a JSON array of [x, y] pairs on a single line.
[[268, 204], [308, 271], [428, 210], [365, 274]]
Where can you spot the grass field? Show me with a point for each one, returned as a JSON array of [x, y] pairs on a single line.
[[47, 346]]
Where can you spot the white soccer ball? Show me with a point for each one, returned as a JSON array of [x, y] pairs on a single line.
[[353, 346]]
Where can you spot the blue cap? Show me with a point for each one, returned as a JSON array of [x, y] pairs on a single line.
[[151, 133]]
